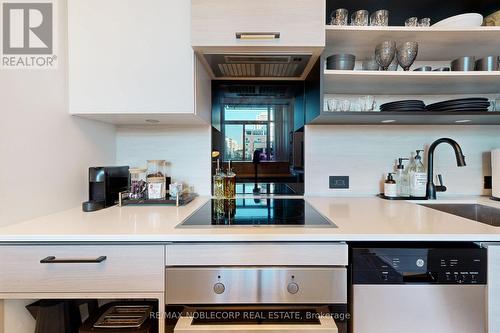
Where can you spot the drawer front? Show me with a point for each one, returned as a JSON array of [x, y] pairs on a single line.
[[263, 285], [257, 254], [83, 268], [298, 22]]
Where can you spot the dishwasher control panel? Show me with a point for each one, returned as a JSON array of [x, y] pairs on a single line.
[[440, 265]]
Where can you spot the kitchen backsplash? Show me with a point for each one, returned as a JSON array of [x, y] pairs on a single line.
[[187, 148], [366, 153]]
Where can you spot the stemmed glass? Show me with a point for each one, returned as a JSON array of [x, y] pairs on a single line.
[[384, 53], [406, 54]]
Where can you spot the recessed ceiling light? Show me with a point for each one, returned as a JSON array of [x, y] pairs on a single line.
[[463, 121], [152, 121], [388, 121]]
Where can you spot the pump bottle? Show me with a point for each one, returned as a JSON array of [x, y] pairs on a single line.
[[402, 178], [418, 176]]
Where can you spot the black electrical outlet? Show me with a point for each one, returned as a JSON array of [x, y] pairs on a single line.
[[339, 182], [487, 182]]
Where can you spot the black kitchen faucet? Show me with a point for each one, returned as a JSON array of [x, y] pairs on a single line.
[[431, 188]]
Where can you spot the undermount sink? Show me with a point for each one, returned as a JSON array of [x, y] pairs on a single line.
[[480, 213]]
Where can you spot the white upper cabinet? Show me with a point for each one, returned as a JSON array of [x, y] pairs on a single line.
[[299, 23], [132, 60]]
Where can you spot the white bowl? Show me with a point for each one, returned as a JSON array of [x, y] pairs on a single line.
[[461, 21]]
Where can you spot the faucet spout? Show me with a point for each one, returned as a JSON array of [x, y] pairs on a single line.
[[431, 188]]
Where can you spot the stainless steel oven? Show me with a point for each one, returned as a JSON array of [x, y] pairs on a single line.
[[256, 298]]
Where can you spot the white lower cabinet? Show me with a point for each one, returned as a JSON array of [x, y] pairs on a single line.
[[494, 288], [82, 269]]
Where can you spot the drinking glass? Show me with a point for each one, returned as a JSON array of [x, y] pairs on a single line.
[[380, 18], [346, 105], [406, 54], [384, 53], [411, 22], [424, 22], [369, 103], [339, 17], [332, 104], [360, 18], [495, 105]]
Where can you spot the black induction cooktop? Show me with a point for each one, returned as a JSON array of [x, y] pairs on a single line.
[[249, 212]]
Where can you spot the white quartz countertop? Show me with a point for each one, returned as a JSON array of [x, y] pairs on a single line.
[[357, 219]]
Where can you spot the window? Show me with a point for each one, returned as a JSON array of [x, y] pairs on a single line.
[[233, 149], [246, 113], [247, 129]]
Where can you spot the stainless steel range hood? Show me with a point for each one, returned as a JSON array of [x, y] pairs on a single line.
[[257, 65]]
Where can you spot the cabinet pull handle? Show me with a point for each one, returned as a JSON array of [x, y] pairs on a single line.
[[54, 260], [257, 35]]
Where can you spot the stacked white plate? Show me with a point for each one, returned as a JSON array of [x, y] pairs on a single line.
[[461, 21]]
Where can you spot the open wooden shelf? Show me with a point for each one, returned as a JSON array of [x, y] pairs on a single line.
[[408, 118], [435, 44], [412, 83]]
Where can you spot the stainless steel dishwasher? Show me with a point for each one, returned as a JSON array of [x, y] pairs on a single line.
[[419, 289]]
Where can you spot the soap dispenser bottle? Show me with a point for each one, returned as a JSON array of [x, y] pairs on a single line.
[[402, 178], [390, 187], [418, 176]]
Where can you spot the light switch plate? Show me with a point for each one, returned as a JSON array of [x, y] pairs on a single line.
[[339, 182], [488, 182]]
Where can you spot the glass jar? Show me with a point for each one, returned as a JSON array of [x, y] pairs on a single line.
[[137, 183], [157, 171], [157, 168], [156, 188]]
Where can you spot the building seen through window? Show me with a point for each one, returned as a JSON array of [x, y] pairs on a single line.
[[259, 127]]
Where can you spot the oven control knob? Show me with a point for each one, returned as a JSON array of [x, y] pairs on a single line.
[[219, 288], [292, 288]]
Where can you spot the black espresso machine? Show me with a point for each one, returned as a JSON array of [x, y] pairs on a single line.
[[105, 185]]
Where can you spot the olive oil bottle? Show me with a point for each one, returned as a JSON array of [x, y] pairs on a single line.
[[230, 183], [219, 180]]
